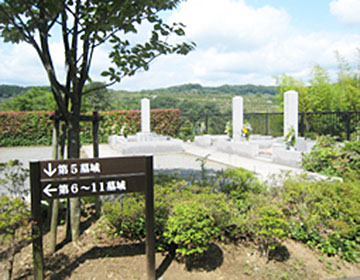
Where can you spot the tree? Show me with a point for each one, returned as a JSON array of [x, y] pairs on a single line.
[[286, 83], [36, 98], [321, 90], [348, 84], [83, 26], [100, 99]]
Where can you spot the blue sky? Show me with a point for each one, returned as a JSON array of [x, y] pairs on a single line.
[[238, 42]]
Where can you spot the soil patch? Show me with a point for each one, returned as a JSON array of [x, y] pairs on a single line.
[[96, 256]]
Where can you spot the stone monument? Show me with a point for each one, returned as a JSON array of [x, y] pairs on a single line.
[[145, 142], [237, 117], [145, 115], [291, 105]]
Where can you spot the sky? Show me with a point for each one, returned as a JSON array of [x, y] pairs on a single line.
[[238, 42]]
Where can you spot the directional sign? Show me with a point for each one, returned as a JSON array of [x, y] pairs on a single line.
[[88, 177], [85, 177]]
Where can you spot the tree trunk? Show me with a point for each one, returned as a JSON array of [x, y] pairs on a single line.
[[53, 225], [74, 152], [96, 155]]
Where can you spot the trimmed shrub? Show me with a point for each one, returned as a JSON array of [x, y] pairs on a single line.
[[238, 183], [270, 226], [191, 228]]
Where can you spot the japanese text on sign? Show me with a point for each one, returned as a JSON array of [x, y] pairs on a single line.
[[65, 169], [64, 189]]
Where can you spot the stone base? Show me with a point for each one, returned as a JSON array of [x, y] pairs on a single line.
[[286, 157], [241, 148], [304, 145], [145, 143], [210, 140]]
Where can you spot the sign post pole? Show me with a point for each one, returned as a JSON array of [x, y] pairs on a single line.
[[36, 221], [150, 237]]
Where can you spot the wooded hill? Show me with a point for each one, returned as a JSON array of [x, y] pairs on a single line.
[[8, 91], [224, 89], [189, 98]]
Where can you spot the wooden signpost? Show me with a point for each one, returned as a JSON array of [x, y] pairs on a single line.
[[91, 177]]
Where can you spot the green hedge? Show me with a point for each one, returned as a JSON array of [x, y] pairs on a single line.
[[25, 128], [35, 128]]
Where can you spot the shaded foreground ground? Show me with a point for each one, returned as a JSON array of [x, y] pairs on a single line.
[[96, 257]]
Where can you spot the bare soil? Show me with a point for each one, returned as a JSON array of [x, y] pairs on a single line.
[[96, 256]]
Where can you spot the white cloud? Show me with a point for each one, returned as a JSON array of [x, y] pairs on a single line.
[[236, 44], [20, 65], [230, 24], [346, 11]]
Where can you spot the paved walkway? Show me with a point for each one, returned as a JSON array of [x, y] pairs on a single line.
[[184, 163], [215, 160], [25, 154]]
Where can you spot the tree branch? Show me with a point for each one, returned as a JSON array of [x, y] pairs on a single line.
[[98, 88]]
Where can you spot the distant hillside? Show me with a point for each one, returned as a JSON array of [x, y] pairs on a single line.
[[225, 89], [7, 91]]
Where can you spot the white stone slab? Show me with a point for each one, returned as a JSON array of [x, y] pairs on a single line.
[[286, 157], [203, 140], [209, 140], [145, 115], [304, 145], [291, 105], [237, 117], [145, 143], [153, 147], [241, 148]]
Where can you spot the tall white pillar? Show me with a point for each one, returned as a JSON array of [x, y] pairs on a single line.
[[237, 117], [145, 115], [291, 105]]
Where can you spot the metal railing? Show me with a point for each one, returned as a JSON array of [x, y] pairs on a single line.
[[311, 124]]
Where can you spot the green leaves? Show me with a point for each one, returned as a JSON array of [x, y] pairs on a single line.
[[330, 158], [35, 128], [13, 215], [12, 178], [191, 228]]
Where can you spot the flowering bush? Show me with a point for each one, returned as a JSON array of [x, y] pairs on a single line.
[[246, 130], [35, 128], [229, 129], [290, 138]]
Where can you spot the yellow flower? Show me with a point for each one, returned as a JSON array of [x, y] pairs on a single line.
[[245, 130]]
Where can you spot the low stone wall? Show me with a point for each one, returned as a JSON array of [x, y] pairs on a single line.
[[241, 148], [142, 143]]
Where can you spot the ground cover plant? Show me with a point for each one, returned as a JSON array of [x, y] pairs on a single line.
[[332, 158], [234, 206], [14, 211]]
